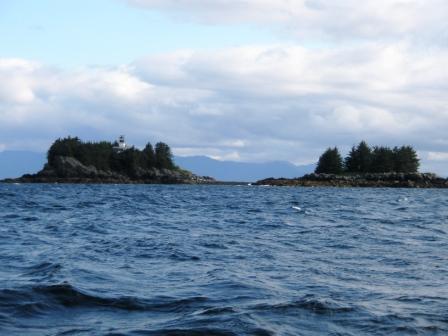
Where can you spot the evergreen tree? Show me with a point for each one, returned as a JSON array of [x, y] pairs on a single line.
[[164, 157], [351, 161], [149, 157], [64, 147], [405, 160], [359, 159], [102, 155], [330, 162], [130, 161], [382, 160]]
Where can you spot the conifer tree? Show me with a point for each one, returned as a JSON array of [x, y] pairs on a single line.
[[102, 155], [330, 162], [382, 160], [405, 160], [149, 157], [164, 157], [359, 159]]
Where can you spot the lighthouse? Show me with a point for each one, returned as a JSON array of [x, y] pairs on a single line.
[[121, 144]]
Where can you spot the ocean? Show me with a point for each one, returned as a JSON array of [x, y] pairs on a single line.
[[222, 260]]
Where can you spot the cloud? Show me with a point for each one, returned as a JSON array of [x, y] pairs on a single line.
[[434, 162], [379, 90], [340, 20], [249, 103], [438, 156]]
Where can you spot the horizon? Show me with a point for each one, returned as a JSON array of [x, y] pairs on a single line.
[[440, 170], [21, 170], [223, 167], [253, 82]]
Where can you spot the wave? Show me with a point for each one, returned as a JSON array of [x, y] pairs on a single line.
[[308, 303], [218, 311], [229, 261], [38, 299], [185, 332], [44, 269]]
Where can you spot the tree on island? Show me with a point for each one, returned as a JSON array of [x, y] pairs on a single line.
[[362, 159], [102, 155], [164, 157], [359, 159], [330, 162], [149, 157], [383, 160], [406, 160]]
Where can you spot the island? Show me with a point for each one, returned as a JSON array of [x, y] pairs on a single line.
[[70, 160], [377, 167]]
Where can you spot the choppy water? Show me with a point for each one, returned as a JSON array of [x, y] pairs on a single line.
[[222, 260]]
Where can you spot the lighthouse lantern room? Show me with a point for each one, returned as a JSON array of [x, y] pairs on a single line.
[[121, 144]]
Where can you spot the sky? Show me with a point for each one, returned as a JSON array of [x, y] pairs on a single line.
[[244, 80]]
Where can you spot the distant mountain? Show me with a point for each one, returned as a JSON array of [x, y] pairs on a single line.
[[17, 163], [241, 171]]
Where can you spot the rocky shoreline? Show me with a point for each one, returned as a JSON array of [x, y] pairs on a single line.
[[384, 180], [69, 170]]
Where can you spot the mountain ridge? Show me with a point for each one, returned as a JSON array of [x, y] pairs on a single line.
[[18, 163], [241, 171]]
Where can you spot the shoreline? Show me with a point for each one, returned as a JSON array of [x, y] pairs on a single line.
[[76, 181], [384, 180]]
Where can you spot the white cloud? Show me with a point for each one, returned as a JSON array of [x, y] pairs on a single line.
[[438, 156], [249, 103], [339, 19]]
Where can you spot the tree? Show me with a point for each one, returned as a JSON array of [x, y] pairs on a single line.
[[64, 147], [382, 160], [126, 162], [164, 157], [359, 159], [330, 162], [102, 155], [405, 160], [148, 156]]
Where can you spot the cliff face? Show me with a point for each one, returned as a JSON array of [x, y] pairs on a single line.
[[384, 180], [69, 170]]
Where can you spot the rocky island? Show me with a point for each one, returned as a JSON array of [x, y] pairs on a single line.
[[378, 180], [70, 160], [377, 167]]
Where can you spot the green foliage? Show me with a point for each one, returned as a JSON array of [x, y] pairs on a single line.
[[330, 162], [149, 157], [383, 160], [362, 159], [126, 162], [406, 160], [64, 147], [102, 155], [164, 158], [359, 159]]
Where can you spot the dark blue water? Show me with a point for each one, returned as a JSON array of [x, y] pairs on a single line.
[[222, 260]]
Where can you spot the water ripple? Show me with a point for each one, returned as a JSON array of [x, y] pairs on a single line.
[[222, 260]]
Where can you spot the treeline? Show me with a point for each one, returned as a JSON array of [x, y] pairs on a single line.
[[103, 156], [363, 159]]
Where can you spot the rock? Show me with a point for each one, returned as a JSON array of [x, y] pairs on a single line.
[[70, 167], [70, 170], [381, 180]]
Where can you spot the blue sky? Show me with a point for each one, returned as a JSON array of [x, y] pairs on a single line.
[[245, 80], [108, 32]]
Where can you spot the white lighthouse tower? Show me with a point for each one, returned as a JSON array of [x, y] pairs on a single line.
[[121, 144]]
